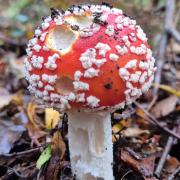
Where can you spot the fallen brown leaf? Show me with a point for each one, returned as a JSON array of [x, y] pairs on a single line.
[[9, 133], [165, 106], [145, 165], [16, 65], [134, 132], [171, 164], [140, 112], [18, 98], [34, 128], [35, 132], [58, 144], [58, 150], [120, 125], [31, 112], [53, 167], [5, 97]]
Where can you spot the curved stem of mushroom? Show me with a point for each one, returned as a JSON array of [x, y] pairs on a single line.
[[90, 144]]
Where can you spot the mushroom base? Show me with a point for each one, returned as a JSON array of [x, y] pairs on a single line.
[[90, 144]]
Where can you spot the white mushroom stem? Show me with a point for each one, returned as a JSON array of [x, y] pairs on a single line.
[[90, 145]]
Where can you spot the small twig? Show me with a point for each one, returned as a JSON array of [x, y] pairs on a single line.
[[169, 13], [171, 177], [153, 120], [160, 62], [125, 114], [30, 166], [159, 9], [25, 152], [39, 174], [133, 153], [15, 172], [152, 103], [130, 171], [174, 33], [165, 154], [169, 16]]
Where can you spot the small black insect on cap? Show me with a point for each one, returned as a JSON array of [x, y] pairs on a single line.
[[108, 85], [107, 4], [54, 12]]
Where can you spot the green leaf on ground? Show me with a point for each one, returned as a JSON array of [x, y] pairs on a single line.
[[44, 157]]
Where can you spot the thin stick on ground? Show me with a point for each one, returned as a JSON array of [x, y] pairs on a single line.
[[128, 172], [153, 120], [25, 152], [165, 153], [174, 33], [169, 14], [12, 170]]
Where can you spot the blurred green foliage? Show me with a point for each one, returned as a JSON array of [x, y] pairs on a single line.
[[18, 18]]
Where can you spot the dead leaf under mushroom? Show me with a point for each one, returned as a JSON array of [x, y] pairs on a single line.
[[144, 165], [165, 106], [134, 132]]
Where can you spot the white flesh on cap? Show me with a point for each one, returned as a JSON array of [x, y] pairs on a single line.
[[90, 144], [64, 85], [81, 21], [61, 39]]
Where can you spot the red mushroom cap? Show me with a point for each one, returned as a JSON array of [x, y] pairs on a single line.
[[91, 56]]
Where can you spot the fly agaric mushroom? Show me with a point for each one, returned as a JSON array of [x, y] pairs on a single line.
[[89, 61]]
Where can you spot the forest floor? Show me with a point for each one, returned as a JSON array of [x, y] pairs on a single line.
[[146, 135]]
